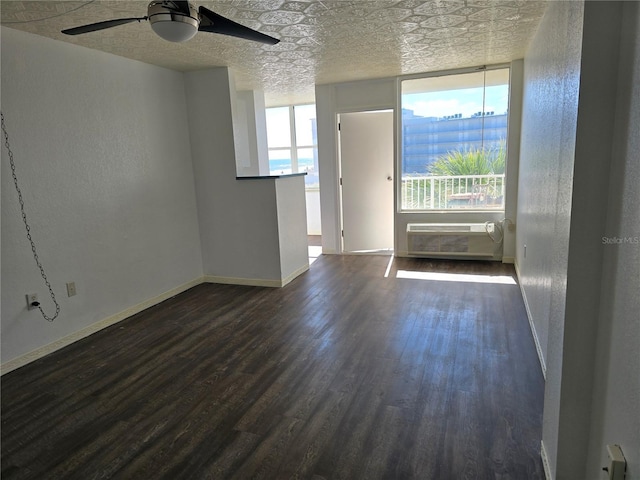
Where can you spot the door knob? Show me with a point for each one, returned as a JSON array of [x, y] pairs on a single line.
[[389, 178]]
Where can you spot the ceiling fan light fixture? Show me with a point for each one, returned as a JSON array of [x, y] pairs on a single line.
[[179, 21], [174, 31], [172, 25]]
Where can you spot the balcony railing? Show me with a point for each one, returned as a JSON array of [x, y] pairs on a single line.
[[453, 192]]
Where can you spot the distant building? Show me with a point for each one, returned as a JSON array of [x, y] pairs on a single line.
[[424, 139]]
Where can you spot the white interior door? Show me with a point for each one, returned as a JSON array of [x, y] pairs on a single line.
[[366, 157]]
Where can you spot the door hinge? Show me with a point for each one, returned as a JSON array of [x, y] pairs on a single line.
[[338, 126], [340, 181], [342, 233]]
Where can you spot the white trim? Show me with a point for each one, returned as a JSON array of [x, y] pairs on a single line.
[[532, 326], [295, 274], [124, 314], [545, 462], [252, 282], [510, 260], [256, 282], [455, 71], [93, 328]]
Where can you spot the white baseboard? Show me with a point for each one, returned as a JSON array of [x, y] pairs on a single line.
[[289, 278], [93, 328], [256, 282], [532, 326], [510, 260], [106, 322], [545, 462], [251, 282]]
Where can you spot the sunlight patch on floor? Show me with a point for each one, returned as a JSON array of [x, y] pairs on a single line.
[[314, 253], [386, 273], [456, 277]]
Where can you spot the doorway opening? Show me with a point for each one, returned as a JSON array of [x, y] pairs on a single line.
[[366, 152]]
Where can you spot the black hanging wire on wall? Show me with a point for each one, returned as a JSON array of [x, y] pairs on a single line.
[[27, 227]]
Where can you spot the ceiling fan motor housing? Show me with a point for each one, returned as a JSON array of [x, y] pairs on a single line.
[[172, 23]]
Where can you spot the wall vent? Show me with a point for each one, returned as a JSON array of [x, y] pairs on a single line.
[[452, 240]]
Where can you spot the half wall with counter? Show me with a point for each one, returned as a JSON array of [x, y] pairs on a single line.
[[252, 228]]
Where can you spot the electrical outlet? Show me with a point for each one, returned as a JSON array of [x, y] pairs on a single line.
[[32, 301], [71, 289], [617, 467]]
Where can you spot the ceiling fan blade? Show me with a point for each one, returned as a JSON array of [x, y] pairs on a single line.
[[214, 23], [92, 27]]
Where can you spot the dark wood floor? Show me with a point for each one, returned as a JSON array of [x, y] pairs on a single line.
[[343, 374]]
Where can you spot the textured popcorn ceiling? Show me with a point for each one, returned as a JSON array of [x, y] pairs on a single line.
[[321, 41]]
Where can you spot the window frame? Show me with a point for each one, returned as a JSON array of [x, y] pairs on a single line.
[[401, 135], [294, 146]]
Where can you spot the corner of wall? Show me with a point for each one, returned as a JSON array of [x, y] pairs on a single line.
[[516, 86]]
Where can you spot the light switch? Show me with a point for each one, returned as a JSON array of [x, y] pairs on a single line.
[[617, 466]]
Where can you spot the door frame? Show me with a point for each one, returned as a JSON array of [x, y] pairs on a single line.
[[339, 178]]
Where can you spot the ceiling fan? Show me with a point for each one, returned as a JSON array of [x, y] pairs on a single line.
[[179, 21]]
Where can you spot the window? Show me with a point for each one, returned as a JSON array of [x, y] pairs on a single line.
[[454, 131], [293, 142]]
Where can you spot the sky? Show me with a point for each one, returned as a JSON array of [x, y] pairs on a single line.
[[465, 101]]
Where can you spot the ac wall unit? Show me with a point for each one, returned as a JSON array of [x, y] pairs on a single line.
[[452, 240]]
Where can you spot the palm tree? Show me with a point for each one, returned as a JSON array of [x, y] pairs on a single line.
[[472, 161]]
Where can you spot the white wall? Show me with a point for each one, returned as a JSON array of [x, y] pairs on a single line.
[[103, 158], [106, 149], [593, 160], [567, 202], [250, 134], [382, 94], [550, 104], [616, 392], [549, 124], [314, 225], [330, 101], [231, 222], [516, 79], [292, 215], [239, 219]]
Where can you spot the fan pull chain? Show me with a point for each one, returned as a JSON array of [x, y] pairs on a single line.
[[26, 225]]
